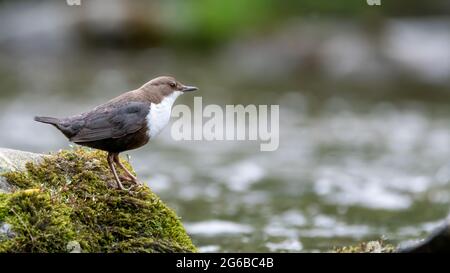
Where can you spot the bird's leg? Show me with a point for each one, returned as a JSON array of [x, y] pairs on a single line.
[[127, 172], [113, 169]]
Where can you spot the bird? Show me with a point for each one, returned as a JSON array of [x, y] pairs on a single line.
[[124, 123]]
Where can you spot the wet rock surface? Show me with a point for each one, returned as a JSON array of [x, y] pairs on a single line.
[[14, 160], [438, 241]]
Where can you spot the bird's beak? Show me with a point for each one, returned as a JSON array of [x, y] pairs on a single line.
[[189, 88]]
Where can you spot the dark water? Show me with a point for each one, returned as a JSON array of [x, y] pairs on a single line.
[[351, 165]]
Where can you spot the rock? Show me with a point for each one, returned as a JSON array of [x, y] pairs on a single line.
[[379, 246], [438, 241], [5, 231], [66, 202], [14, 160], [73, 247]]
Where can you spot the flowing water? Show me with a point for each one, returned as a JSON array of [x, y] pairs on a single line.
[[348, 168], [340, 175]]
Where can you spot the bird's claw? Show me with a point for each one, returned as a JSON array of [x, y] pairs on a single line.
[[129, 179], [121, 187]]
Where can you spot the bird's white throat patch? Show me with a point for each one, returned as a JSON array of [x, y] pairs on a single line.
[[159, 114]]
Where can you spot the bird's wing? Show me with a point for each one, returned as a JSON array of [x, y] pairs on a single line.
[[112, 122]]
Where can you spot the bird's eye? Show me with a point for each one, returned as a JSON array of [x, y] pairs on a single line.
[[172, 84]]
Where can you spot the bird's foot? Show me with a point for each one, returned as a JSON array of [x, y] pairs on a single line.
[[133, 180], [120, 186]]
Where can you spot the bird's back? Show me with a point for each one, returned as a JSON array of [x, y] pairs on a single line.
[[123, 115]]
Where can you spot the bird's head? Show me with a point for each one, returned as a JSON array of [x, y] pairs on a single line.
[[166, 86]]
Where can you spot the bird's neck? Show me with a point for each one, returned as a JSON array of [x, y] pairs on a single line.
[[156, 98], [170, 99], [159, 114]]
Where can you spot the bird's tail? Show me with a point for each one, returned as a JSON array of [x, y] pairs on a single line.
[[49, 120]]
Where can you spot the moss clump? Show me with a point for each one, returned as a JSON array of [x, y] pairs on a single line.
[[378, 246], [70, 197]]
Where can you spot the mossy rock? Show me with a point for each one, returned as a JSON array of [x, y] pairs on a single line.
[[378, 246], [14, 160], [67, 203]]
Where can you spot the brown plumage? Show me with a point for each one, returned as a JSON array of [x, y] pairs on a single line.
[[123, 123]]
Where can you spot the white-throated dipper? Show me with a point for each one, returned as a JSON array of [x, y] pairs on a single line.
[[124, 123]]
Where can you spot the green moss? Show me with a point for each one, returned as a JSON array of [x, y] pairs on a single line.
[[378, 246], [70, 196]]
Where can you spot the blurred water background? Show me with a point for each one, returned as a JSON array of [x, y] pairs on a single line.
[[364, 95]]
